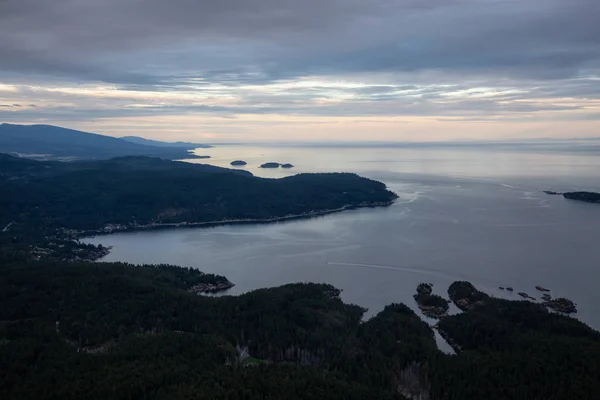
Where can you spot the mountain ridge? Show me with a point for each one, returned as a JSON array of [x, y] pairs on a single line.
[[49, 142]]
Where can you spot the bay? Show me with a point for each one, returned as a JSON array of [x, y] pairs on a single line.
[[465, 212]]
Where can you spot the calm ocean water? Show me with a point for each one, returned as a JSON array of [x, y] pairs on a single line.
[[472, 213]]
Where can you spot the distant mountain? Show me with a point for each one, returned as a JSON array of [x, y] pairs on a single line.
[[149, 142], [47, 142]]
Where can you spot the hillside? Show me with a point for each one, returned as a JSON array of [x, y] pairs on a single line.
[[47, 142], [117, 331]]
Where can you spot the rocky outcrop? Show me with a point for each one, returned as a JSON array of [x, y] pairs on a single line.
[[546, 297], [526, 296], [431, 305], [425, 288]]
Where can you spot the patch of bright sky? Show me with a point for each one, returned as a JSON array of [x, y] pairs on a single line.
[[7, 88], [310, 108], [479, 92]]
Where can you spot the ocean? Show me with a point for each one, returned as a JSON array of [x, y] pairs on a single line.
[[470, 211]]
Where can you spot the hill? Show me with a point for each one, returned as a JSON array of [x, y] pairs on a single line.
[[49, 142], [115, 331], [150, 142]]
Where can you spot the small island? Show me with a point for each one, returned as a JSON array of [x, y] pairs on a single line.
[[270, 165], [287, 166], [238, 163], [431, 305]]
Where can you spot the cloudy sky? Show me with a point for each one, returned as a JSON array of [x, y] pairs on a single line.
[[242, 70]]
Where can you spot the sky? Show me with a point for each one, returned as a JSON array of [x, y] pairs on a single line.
[[314, 70]]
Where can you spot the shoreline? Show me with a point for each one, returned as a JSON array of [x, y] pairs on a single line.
[[187, 224], [208, 224]]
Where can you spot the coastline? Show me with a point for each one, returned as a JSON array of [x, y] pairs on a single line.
[[208, 224], [186, 224], [204, 289]]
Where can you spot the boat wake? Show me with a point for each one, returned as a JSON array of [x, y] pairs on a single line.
[[420, 271]]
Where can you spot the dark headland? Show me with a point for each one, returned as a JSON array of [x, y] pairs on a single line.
[[588, 197]]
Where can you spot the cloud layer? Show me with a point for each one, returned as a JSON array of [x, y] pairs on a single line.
[[83, 61]]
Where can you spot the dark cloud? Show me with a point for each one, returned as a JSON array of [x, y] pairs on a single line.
[[145, 42]]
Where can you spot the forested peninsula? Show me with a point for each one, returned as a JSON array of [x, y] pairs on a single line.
[[46, 204]]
